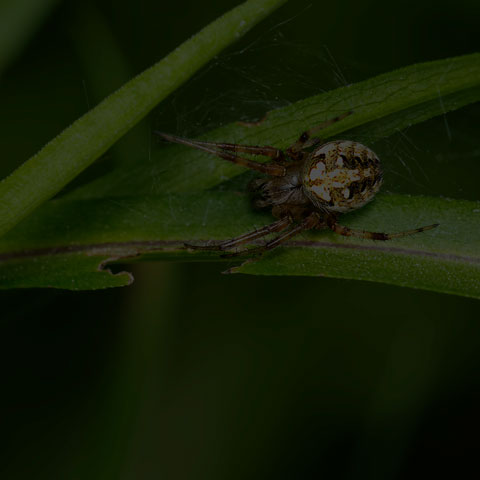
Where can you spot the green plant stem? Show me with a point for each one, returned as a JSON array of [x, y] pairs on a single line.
[[45, 174]]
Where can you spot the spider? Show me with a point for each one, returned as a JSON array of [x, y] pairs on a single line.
[[304, 189]]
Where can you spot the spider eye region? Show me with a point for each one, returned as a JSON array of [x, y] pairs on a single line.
[[341, 176]]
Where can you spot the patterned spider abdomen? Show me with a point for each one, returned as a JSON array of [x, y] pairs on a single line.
[[341, 176]]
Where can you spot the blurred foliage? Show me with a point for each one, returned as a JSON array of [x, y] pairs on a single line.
[[19, 20], [192, 374]]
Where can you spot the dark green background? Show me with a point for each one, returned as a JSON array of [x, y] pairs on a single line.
[[189, 374]]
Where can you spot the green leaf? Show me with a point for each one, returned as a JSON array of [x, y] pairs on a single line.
[[69, 242], [82, 143], [149, 212], [82, 270], [382, 106]]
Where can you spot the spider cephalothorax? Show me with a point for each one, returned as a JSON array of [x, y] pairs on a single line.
[[304, 189]]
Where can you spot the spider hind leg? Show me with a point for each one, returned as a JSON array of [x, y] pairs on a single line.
[[351, 232], [308, 139], [277, 226], [308, 223]]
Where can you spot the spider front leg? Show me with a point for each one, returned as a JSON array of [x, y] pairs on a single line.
[[307, 224], [223, 150], [277, 226], [351, 232], [265, 150], [307, 138]]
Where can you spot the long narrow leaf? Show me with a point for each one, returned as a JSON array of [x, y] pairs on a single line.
[[382, 106], [68, 243], [78, 146]]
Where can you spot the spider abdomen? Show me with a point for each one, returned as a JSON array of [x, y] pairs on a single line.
[[341, 176]]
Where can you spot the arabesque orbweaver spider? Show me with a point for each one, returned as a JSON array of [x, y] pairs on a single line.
[[305, 190]]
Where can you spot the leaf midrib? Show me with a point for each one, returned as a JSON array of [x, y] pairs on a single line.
[[142, 247]]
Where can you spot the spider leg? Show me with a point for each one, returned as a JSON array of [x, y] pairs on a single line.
[[310, 222], [350, 232], [307, 138], [265, 150], [220, 150], [277, 226]]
